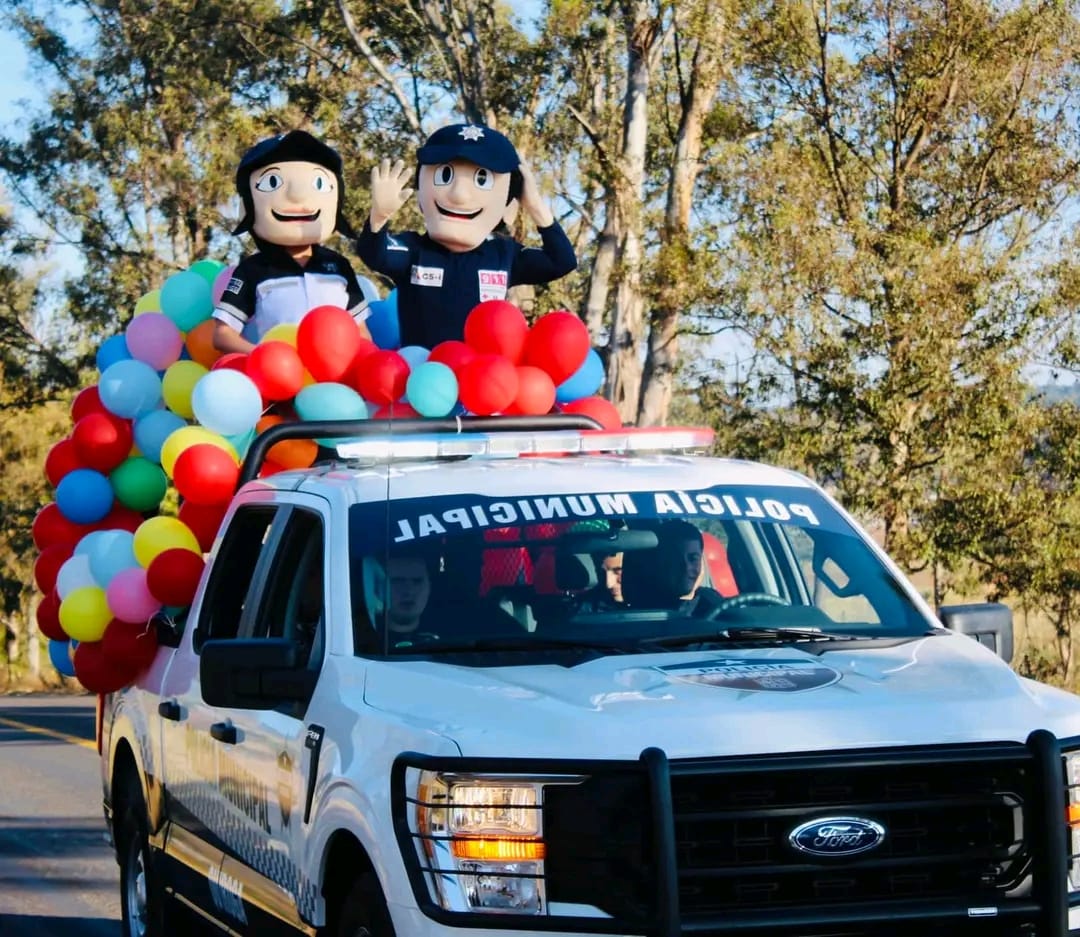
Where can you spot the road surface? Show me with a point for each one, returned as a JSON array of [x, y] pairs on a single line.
[[58, 876]]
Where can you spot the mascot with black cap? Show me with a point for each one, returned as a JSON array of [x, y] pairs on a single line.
[[468, 176], [292, 189]]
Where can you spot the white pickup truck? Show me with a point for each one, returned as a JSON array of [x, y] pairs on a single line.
[[511, 676]]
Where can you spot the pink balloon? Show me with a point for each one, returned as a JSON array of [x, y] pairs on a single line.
[[221, 281], [153, 338], [129, 597]]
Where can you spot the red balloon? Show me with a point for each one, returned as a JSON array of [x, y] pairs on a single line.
[[454, 354], [497, 327], [327, 340], [87, 401], [173, 576], [96, 672], [557, 343], [352, 374], [536, 392], [235, 360], [276, 369], [599, 408], [488, 384], [395, 411], [48, 564], [62, 457], [204, 520], [130, 644], [120, 517], [381, 377], [48, 617], [269, 468], [102, 441], [50, 526], [206, 474]]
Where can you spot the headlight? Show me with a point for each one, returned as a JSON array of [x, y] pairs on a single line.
[[1072, 811], [483, 840]]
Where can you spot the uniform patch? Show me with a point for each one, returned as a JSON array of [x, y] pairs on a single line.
[[493, 284], [235, 285], [426, 276]]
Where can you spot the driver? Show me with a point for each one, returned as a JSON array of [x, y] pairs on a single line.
[[681, 554], [409, 585]]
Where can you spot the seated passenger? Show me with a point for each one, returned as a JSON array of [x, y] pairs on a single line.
[[670, 576], [609, 569], [409, 588]]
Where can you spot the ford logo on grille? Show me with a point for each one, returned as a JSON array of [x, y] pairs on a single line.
[[837, 836]]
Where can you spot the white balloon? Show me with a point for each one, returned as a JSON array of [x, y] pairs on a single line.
[[74, 574]]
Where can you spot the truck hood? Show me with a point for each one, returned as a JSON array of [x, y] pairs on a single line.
[[932, 690]]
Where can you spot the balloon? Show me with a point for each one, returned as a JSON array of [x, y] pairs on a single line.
[[154, 338], [557, 343], [330, 402], [382, 322], [96, 672], [497, 327], [110, 553], [382, 376], [51, 526], [87, 401], [112, 350], [206, 474], [241, 442], [152, 429], [129, 597], [282, 332], [148, 302], [203, 520], [48, 617], [226, 402], [48, 565], [453, 354], [221, 282], [189, 436], [270, 468], [601, 410], [414, 355], [584, 382], [173, 577], [395, 411], [61, 458], [208, 269], [488, 384], [178, 385], [130, 644], [130, 388], [74, 573], [327, 340], [536, 392], [290, 453], [139, 484], [60, 657], [185, 298], [84, 613], [276, 369], [120, 518], [432, 389], [84, 496], [102, 441], [199, 343], [159, 534], [237, 360]]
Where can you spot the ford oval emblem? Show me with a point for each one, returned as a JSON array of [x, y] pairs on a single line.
[[837, 836]]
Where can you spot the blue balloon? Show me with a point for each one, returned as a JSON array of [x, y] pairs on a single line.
[[584, 382], [186, 298], [241, 442], [432, 389], [111, 552], [84, 496], [59, 655], [111, 350], [130, 388], [414, 355], [330, 401], [383, 321], [152, 429]]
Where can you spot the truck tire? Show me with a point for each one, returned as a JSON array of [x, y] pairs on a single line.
[[363, 911], [141, 896]]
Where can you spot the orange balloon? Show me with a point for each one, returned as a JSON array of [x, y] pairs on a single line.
[[290, 453], [200, 344]]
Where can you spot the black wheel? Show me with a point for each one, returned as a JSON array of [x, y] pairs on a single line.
[[363, 911], [742, 601], [141, 898]]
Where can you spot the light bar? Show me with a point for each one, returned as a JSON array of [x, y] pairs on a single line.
[[513, 445]]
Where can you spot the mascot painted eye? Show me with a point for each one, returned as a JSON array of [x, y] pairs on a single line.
[[444, 175]]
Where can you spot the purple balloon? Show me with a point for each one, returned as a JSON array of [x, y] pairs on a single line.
[[154, 339]]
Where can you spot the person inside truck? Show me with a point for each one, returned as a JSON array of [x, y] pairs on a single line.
[[609, 570], [671, 575], [408, 589]]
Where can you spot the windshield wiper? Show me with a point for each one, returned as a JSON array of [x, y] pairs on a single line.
[[746, 633], [512, 644]]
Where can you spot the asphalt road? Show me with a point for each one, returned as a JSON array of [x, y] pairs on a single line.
[[58, 875]]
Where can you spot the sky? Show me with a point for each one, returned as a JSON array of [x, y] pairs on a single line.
[[17, 85]]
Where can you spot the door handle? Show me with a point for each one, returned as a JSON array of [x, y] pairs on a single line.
[[170, 710], [224, 732]]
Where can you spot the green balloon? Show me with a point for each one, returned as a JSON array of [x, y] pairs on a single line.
[[208, 269], [139, 484]]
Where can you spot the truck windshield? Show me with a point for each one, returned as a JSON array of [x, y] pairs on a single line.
[[618, 571]]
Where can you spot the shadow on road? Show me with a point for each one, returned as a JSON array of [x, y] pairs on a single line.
[[56, 837], [37, 925]]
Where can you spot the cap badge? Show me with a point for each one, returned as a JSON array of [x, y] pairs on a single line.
[[471, 133]]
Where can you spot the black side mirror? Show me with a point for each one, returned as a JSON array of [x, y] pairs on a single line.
[[254, 673], [989, 623]]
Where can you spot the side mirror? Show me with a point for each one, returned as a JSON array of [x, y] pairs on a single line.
[[989, 623], [254, 673], [169, 630]]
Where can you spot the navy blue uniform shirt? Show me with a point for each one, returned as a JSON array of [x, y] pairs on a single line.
[[438, 288]]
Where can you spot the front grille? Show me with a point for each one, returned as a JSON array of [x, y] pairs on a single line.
[[954, 824]]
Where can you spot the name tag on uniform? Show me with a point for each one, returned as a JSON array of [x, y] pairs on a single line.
[[493, 284], [426, 276]]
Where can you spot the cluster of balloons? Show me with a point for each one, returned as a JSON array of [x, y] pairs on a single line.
[[169, 408]]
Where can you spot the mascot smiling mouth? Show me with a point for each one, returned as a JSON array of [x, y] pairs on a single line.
[[306, 216], [463, 215]]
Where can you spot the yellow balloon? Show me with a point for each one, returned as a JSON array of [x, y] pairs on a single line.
[[179, 440], [159, 534], [178, 384], [149, 302], [282, 332], [84, 613]]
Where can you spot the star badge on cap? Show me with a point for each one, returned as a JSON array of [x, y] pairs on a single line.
[[471, 133]]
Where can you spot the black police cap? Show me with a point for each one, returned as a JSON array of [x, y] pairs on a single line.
[[294, 146], [478, 144]]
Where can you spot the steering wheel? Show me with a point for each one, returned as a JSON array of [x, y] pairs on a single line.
[[742, 600], [416, 638]]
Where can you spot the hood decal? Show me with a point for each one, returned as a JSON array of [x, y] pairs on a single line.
[[768, 675]]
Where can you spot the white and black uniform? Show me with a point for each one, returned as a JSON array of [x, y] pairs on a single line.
[[270, 288]]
